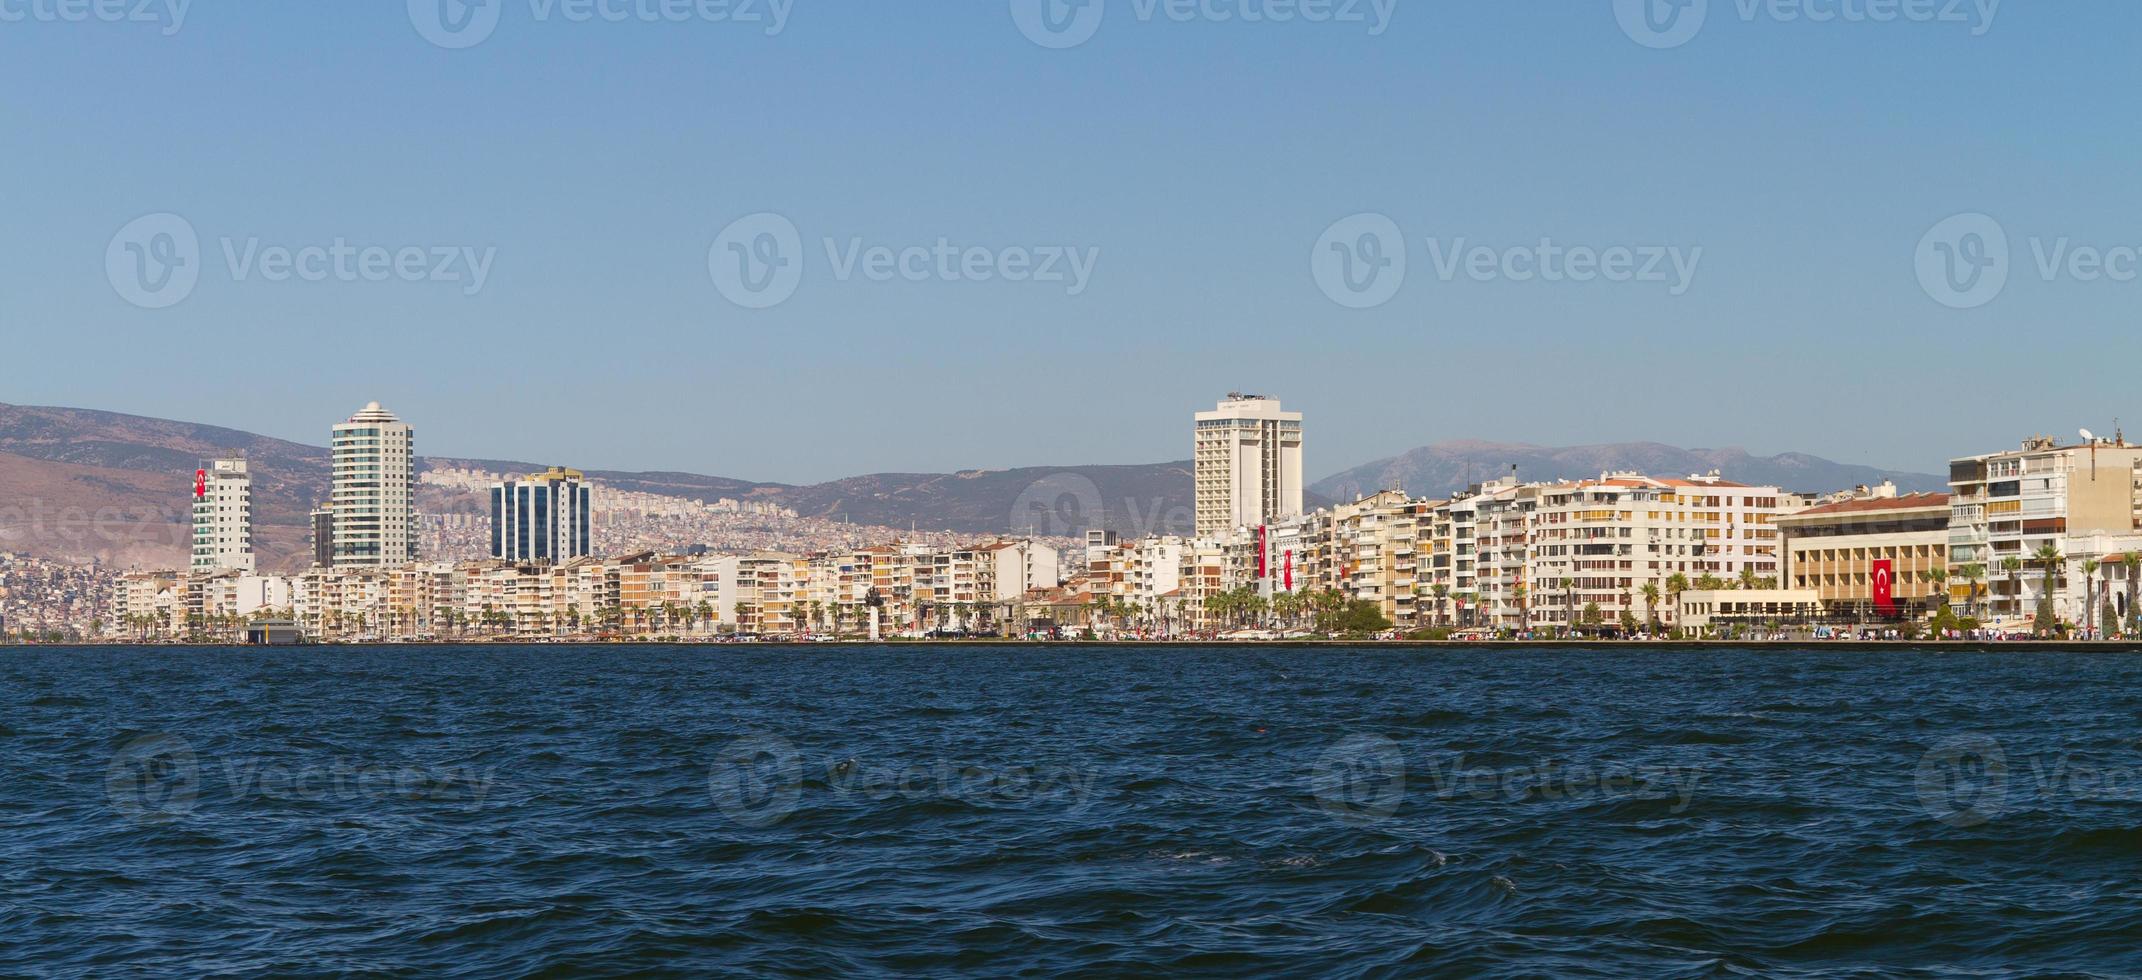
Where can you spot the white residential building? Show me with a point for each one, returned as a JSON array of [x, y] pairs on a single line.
[[1248, 465], [374, 496], [223, 518]]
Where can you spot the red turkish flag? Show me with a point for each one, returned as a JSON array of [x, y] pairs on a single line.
[[1885, 595], [1290, 571], [200, 484]]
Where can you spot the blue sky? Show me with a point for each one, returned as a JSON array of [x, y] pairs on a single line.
[[1198, 162]]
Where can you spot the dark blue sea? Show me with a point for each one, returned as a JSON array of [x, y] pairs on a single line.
[[492, 812]]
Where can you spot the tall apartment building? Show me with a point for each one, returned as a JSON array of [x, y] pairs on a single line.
[[374, 495], [2004, 507], [223, 517], [1247, 465], [544, 519], [1599, 542]]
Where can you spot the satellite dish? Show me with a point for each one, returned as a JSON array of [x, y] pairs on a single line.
[[2087, 437]]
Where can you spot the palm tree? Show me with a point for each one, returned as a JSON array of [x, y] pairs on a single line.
[[1972, 574], [2048, 557], [1519, 592], [1748, 581], [2014, 568], [1676, 584], [2089, 570], [1939, 577], [1442, 593], [1651, 603]]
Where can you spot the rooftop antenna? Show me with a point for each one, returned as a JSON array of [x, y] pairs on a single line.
[[2091, 438]]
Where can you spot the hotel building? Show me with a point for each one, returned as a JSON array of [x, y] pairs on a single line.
[[1248, 465], [374, 495], [543, 519], [223, 517]]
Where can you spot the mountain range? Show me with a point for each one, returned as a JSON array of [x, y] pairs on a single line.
[[80, 484]]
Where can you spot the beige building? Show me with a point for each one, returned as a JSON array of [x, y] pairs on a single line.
[[2006, 506], [1835, 549], [1248, 465]]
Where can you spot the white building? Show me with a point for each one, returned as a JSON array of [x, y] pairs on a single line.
[[374, 498], [2082, 501], [543, 519], [1248, 465], [223, 518]]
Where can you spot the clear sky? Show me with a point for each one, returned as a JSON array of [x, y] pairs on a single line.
[[1196, 162]]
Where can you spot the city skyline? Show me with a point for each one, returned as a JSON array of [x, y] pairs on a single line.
[[1785, 173]]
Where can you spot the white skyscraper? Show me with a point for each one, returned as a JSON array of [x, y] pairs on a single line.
[[223, 517], [1248, 465], [374, 497]]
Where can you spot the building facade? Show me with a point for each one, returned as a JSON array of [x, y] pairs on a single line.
[[223, 517], [1871, 554], [2008, 508], [544, 519], [374, 490], [1247, 465]]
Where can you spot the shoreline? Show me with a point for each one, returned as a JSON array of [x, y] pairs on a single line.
[[1792, 646]]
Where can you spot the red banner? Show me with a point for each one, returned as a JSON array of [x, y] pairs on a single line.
[[1885, 592], [200, 484], [1290, 571], [1263, 569]]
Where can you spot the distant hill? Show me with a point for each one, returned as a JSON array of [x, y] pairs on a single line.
[[92, 462], [76, 483], [1448, 467]]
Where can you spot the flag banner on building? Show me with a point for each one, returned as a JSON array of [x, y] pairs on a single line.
[[1263, 550], [1884, 579], [200, 484], [1289, 570]]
